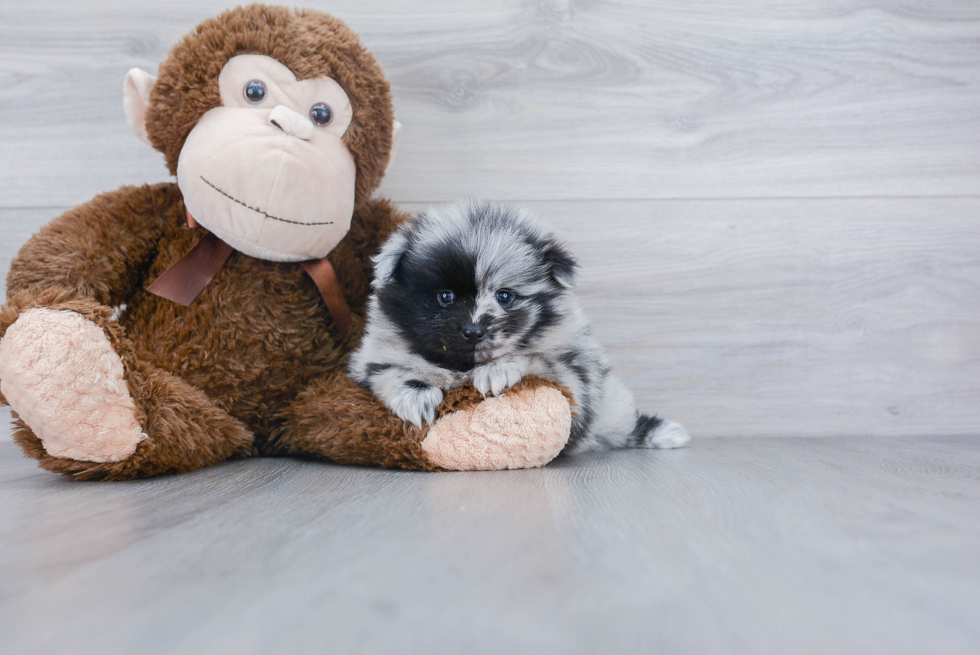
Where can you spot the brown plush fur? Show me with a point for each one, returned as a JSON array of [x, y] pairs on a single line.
[[254, 365]]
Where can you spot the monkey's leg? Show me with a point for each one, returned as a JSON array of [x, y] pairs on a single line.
[[336, 419], [87, 405]]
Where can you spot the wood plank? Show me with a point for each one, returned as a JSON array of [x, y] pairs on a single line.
[[5, 420], [731, 546], [17, 226], [777, 317], [557, 100]]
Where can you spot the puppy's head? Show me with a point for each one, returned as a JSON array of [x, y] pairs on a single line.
[[470, 282]]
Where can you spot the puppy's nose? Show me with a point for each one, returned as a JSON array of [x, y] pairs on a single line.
[[474, 332]]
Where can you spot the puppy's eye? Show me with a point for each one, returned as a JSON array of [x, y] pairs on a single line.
[[505, 298], [255, 91], [320, 114], [446, 298]]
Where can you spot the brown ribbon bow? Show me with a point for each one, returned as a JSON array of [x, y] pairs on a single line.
[[184, 281]]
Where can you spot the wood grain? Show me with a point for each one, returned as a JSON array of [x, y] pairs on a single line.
[[556, 99], [775, 317], [732, 546]]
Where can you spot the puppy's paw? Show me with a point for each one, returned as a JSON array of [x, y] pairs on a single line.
[[415, 401], [497, 376]]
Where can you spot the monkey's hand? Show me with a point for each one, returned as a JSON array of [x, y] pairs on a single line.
[[498, 375]]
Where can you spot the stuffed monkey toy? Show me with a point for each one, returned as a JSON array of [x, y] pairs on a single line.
[[166, 328]]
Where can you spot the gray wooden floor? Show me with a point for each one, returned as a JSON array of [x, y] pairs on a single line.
[[777, 208], [819, 545]]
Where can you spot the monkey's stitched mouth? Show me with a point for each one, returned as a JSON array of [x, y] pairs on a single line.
[[259, 211]]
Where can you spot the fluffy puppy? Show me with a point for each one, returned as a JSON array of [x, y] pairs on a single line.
[[479, 291]]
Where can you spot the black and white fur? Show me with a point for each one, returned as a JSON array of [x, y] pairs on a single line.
[[414, 345]]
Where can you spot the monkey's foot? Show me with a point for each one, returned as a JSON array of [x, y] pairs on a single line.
[[60, 373], [521, 429]]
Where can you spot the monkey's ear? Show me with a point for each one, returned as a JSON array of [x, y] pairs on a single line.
[[136, 98], [560, 263], [396, 132], [386, 262]]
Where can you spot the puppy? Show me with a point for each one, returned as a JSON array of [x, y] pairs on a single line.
[[482, 292]]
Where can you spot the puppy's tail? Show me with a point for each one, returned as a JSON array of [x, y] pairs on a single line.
[[655, 432]]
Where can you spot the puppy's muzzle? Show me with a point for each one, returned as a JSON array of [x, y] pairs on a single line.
[[474, 332]]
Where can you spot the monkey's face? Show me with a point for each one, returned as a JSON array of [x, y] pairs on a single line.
[[268, 171], [266, 146]]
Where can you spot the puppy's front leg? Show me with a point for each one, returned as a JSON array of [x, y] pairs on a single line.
[[403, 393], [499, 374]]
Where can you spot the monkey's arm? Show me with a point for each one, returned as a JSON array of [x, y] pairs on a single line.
[[87, 402], [338, 420], [99, 250], [96, 254]]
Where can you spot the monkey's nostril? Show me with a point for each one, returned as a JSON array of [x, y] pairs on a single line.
[[287, 120], [474, 332]]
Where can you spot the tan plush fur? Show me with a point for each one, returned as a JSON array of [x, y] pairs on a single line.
[[254, 365], [64, 374], [523, 429]]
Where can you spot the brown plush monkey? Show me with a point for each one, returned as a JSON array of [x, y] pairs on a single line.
[[279, 126]]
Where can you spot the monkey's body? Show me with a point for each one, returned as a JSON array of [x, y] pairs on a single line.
[[242, 340], [220, 344], [254, 365]]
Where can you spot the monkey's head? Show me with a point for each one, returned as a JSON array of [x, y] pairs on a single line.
[[276, 122]]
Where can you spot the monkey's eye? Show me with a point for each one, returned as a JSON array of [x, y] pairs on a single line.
[[320, 114], [505, 298], [255, 92], [446, 298]]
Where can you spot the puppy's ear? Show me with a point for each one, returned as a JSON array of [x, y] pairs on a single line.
[[560, 263], [386, 262]]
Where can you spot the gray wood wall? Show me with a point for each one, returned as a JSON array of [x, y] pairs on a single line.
[[777, 204]]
